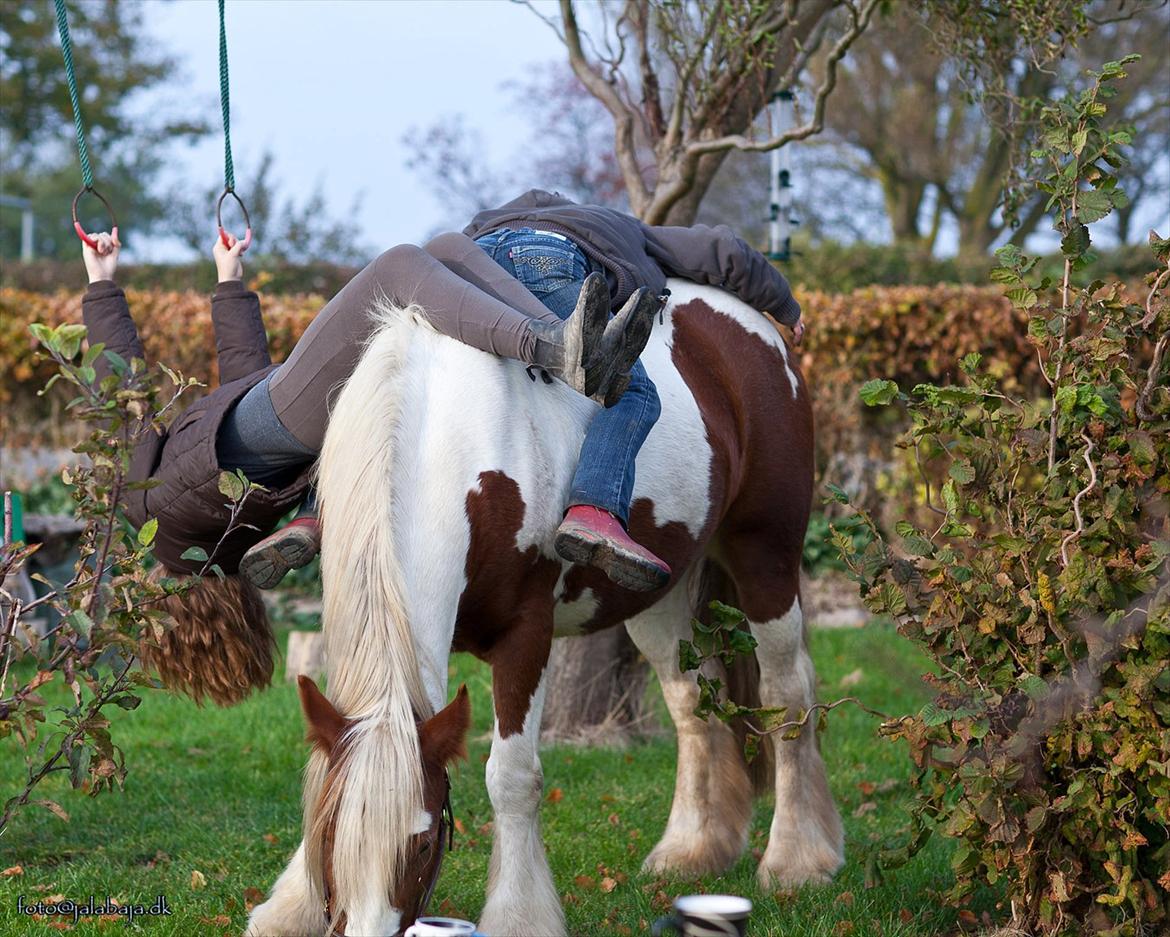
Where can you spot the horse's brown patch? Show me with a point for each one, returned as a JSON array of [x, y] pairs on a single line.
[[762, 442], [505, 612]]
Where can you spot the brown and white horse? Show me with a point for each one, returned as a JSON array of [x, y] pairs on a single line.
[[443, 478]]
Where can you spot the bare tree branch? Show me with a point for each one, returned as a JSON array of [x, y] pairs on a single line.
[[860, 20], [605, 92]]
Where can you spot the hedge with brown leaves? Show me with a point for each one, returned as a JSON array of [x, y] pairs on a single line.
[[908, 334]]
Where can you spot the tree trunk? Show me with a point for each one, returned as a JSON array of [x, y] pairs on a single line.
[[596, 689], [306, 655], [903, 198]]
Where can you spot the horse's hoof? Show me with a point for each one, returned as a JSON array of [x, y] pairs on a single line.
[[798, 866], [518, 921], [689, 857]]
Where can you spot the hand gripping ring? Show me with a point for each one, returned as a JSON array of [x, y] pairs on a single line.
[[77, 224], [219, 219]]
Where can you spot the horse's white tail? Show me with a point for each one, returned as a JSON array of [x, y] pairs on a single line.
[[372, 668]]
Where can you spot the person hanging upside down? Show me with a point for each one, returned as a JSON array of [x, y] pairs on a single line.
[[269, 421]]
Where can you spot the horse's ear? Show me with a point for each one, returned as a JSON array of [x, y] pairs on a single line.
[[325, 723], [443, 737]]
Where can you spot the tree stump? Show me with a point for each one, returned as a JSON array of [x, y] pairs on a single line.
[[306, 655], [596, 690]]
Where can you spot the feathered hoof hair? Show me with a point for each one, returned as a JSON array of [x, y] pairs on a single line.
[[218, 642]]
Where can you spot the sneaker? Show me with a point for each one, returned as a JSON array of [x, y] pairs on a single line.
[[291, 547], [622, 344], [594, 537]]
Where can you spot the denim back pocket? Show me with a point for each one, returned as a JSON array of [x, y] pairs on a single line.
[[547, 264]]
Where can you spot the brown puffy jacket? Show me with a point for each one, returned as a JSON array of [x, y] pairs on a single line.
[[636, 254], [186, 500]]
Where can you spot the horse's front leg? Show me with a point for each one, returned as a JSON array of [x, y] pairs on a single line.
[[521, 896]]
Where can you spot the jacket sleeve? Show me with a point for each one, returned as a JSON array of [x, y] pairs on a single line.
[[717, 257], [107, 321], [241, 344]]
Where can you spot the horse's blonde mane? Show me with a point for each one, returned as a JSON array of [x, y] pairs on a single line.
[[373, 672]]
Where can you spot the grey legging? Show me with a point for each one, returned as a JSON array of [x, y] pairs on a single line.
[[280, 424]]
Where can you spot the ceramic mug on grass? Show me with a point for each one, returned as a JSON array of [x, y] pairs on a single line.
[[441, 927], [707, 916]]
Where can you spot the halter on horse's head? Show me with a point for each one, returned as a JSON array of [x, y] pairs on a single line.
[[441, 738]]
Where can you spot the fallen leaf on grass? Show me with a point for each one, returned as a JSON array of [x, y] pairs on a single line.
[[252, 897], [968, 917], [460, 828], [614, 819], [852, 678], [570, 898], [905, 916], [623, 929], [868, 807], [53, 899], [12, 871], [608, 884], [220, 920], [270, 839], [845, 898], [843, 929], [54, 808], [44, 888], [59, 925], [867, 787], [555, 796], [198, 880], [485, 829], [585, 881]]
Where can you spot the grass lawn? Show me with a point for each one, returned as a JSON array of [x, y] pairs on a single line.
[[216, 792]]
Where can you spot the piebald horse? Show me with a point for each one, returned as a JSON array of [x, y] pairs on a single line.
[[443, 477]]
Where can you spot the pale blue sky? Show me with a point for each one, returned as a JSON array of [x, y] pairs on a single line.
[[331, 87]]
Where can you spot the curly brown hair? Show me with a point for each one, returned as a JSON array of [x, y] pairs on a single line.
[[218, 642]]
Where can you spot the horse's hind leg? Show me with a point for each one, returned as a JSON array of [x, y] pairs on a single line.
[[709, 818], [521, 896], [806, 842]]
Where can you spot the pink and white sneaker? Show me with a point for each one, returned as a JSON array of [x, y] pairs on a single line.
[[594, 537], [291, 547]]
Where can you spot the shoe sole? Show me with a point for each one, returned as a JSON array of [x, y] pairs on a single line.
[[635, 334], [627, 571], [594, 317], [266, 564]]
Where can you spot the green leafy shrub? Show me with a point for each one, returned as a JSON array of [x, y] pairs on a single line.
[[1041, 587], [107, 609]]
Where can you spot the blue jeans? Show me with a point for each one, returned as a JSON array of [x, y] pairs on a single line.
[[553, 268]]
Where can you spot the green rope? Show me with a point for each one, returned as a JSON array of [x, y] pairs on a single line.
[[229, 172], [67, 52]]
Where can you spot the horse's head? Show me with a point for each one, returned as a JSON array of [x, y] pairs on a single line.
[[383, 903]]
